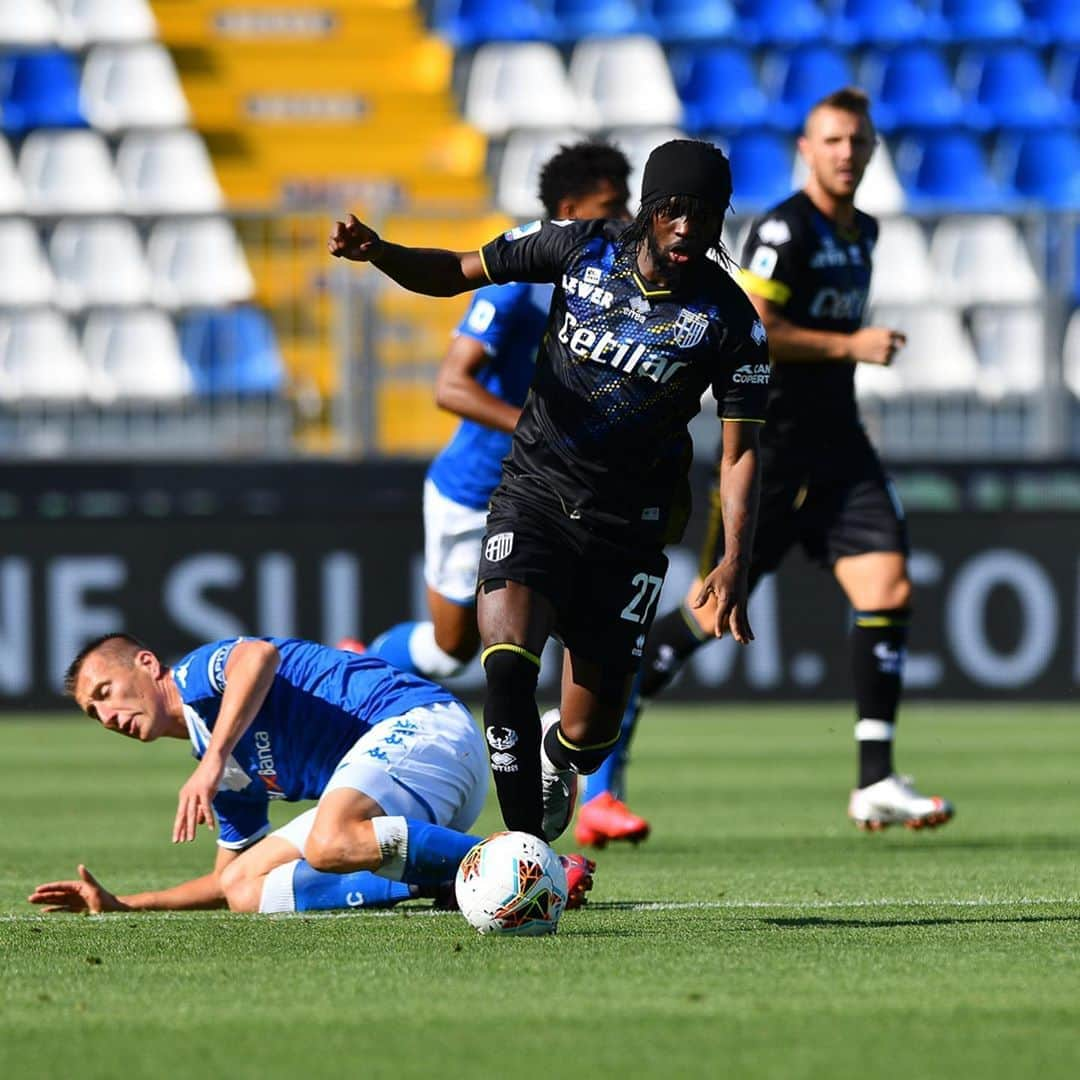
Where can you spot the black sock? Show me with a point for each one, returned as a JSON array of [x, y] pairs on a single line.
[[877, 653], [673, 639], [512, 730], [564, 754]]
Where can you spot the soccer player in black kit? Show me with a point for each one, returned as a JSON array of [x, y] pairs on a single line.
[[806, 266], [643, 320]]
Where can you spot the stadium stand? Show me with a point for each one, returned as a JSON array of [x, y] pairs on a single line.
[[39, 90], [98, 263], [132, 86], [518, 85], [719, 88], [134, 355]]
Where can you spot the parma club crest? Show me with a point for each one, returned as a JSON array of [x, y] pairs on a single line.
[[690, 328]]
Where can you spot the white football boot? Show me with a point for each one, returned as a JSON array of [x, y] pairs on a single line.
[[560, 786], [894, 801]]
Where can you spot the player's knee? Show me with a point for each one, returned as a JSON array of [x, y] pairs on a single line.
[[341, 848], [896, 594], [242, 891]]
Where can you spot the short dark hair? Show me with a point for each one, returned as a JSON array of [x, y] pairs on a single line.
[[118, 643], [848, 99], [580, 169]]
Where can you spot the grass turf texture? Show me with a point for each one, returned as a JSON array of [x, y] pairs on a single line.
[[757, 934]]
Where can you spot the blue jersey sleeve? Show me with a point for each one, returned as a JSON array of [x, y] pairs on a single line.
[[493, 315], [201, 674], [242, 819]]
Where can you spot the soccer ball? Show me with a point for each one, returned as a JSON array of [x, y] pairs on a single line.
[[511, 883]]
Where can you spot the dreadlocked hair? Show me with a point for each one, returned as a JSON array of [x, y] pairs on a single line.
[[579, 170], [637, 232]]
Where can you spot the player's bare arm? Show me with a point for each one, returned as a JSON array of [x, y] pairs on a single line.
[[788, 341], [431, 271], [249, 673], [457, 389], [728, 584]]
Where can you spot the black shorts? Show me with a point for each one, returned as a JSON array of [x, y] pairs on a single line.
[[834, 505], [604, 591]]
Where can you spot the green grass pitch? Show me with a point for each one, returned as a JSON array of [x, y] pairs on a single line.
[[756, 934]]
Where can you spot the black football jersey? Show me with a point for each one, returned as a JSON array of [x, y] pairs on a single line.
[[819, 275], [620, 373]]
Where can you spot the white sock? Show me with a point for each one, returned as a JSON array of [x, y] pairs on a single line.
[[874, 731], [277, 890], [428, 657], [392, 834]]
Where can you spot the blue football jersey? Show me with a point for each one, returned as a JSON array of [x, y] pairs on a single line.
[[321, 701], [508, 320]]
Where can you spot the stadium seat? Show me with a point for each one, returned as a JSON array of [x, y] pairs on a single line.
[[912, 86], [902, 272], [938, 358], [39, 89], [1009, 346], [880, 191], [981, 20], [12, 196], [98, 263], [1043, 167], [39, 358], [197, 264], [25, 277], [132, 86], [577, 19], [781, 22], [880, 22], [945, 170], [761, 167], [28, 22], [719, 88], [1071, 358], [624, 82], [692, 20], [518, 85], [86, 22], [1008, 87], [1065, 78], [1054, 22], [802, 77], [518, 177], [134, 355], [232, 352], [982, 260], [167, 172], [465, 23], [68, 172]]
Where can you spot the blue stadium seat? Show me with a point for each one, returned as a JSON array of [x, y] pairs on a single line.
[[39, 89], [801, 78], [692, 20], [982, 20], [576, 19], [465, 23], [882, 22], [1009, 88], [719, 88], [232, 352], [1043, 167], [782, 22], [1065, 78], [946, 170], [1054, 21], [912, 87], [761, 166]]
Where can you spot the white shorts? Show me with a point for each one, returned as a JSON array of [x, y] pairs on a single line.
[[429, 764], [452, 537]]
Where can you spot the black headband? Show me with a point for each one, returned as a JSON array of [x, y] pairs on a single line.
[[688, 167]]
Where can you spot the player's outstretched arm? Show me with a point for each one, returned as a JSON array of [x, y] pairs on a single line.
[[458, 390], [431, 271], [739, 487]]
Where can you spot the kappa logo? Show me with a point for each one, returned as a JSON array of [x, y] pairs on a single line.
[[180, 674], [498, 546], [502, 738], [690, 328], [501, 762]]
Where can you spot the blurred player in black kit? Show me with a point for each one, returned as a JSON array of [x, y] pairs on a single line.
[[642, 322], [806, 266]]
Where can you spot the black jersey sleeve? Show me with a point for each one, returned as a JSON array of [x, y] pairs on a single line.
[[535, 252], [742, 388], [772, 259]]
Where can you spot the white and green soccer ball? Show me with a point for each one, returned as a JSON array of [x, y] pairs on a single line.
[[511, 883]]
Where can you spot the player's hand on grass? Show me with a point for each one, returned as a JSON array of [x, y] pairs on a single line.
[[352, 239], [876, 345], [729, 587], [86, 894], [196, 801]]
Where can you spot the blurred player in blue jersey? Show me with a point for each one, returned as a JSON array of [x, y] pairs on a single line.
[[396, 762]]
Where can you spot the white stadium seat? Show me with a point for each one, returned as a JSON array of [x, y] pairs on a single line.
[[28, 22], [135, 356], [982, 260], [1072, 354], [1009, 342], [132, 86], [84, 22], [68, 172], [902, 273], [25, 277], [167, 172], [624, 82], [39, 357], [198, 264], [98, 263], [519, 170], [518, 86], [12, 196]]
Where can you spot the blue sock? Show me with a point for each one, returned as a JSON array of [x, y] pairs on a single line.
[[434, 853], [611, 776], [393, 647], [315, 890]]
